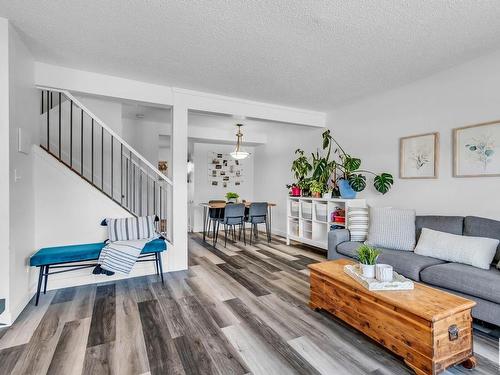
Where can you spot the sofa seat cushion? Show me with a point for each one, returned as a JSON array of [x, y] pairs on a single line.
[[406, 263], [470, 280], [78, 253], [349, 248]]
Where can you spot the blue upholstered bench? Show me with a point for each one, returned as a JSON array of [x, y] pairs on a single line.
[[59, 257]]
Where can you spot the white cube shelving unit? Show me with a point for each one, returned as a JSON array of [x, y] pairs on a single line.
[[309, 219]]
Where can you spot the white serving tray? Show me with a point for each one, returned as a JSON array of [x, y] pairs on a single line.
[[399, 282]]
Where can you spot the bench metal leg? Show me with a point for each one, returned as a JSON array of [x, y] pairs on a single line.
[[161, 267], [46, 278], [156, 265], [40, 278]]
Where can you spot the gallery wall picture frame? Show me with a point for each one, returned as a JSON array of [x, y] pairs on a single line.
[[223, 171], [476, 150], [419, 156]]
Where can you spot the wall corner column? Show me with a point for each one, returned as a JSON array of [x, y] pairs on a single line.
[[178, 259]]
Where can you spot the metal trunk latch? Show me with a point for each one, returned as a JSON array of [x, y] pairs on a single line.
[[453, 332]]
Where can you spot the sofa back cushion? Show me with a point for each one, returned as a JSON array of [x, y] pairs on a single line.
[[480, 227], [448, 224], [392, 228]]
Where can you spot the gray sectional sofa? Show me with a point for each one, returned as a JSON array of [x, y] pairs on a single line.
[[479, 285]]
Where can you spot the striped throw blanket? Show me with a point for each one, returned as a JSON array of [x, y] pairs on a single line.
[[120, 256]]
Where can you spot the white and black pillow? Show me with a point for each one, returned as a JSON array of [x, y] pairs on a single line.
[[131, 228], [357, 223]]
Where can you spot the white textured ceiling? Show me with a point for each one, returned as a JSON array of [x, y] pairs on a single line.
[[307, 53]]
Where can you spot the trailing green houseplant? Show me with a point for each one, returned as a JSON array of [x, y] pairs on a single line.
[[316, 188]]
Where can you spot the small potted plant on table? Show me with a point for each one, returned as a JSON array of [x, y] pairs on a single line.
[[367, 257], [232, 197]]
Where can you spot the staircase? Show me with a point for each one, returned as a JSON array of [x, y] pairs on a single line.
[[77, 138]]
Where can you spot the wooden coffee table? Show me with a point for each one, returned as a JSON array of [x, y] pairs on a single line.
[[429, 328]]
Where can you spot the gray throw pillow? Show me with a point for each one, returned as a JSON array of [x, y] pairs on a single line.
[[392, 228]]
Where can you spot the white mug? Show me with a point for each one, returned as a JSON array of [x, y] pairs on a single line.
[[383, 272]]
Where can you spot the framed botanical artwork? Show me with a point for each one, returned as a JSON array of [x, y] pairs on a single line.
[[419, 156], [476, 150]]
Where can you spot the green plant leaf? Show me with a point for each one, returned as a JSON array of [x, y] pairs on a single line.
[[357, 182], [326, 139], [383, 182], [367, 254], [352, 164]]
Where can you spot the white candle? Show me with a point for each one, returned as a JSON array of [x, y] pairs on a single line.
[[383, 272]]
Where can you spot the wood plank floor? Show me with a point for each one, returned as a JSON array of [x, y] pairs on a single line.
[[237, 310]]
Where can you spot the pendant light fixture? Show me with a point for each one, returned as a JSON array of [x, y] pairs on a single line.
[[238, 153]]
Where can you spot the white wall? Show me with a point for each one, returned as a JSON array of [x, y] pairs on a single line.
[[204, 191], [23, 113], [69, 211], [4, 165], [465, 95], [144, 137], [107, 110]]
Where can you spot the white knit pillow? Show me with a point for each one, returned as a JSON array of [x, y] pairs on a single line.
[[392, 228], [474, 251], [357, 223]]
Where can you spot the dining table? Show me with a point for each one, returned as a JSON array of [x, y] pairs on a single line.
[[208, 205]]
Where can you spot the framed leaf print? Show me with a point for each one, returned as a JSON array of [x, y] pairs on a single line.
[[419, 156], [476, 150]]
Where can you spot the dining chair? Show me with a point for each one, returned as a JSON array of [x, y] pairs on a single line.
[[234, 215], [257, 214], [214, 214]]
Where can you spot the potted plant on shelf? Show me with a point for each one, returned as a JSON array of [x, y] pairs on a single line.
[[300, 168], [328, 193], [232, 197], [367, 256], [304, 186], [294, 189], [337, 170], [316, 188], [346, 172]]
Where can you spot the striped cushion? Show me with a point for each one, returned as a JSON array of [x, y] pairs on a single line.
[[357, 223], [392, 228], [131, 228]]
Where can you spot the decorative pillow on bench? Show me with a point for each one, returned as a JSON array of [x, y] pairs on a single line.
[[131, 228], [474, 251]]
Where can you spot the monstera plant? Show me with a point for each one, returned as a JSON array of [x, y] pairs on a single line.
[[332, 165], [347, 167]]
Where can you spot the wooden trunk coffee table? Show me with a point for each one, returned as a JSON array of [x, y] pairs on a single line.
[[429, 328]]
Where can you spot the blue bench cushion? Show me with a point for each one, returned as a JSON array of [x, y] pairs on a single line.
[[77, 253]]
